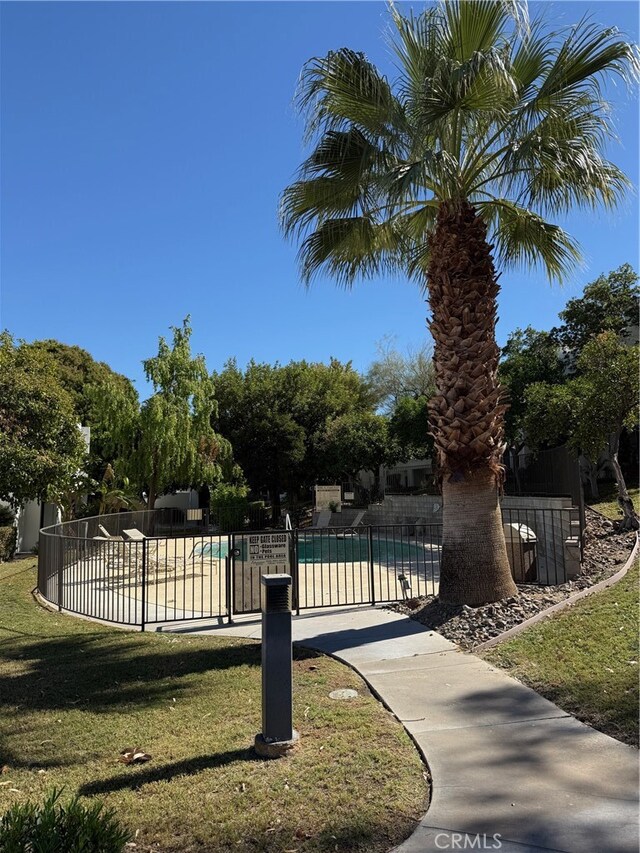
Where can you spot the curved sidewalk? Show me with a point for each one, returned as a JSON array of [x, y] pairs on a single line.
[[510, 770]]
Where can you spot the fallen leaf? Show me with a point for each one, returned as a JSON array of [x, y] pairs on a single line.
[[5, 768], [302, 833], [133, 755]]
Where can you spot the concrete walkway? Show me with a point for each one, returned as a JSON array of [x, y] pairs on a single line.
[[504, 761]]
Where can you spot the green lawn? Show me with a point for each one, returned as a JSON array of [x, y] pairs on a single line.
[[608, 502], [73, 694], [585, 659]]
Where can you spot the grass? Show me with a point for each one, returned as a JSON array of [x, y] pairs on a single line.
[[73, 694], [607, 503], [585, 659]]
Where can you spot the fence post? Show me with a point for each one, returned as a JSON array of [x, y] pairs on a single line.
[[371, 577], [60, 562], [144, 585], [228, 573], [295, 570]]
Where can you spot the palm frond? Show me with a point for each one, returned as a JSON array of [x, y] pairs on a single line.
[[345, 89], [486, 109], [586, 54], [476, 27], [305, 202], [525, 239], [350, 247], [346, 153], [411, 180]]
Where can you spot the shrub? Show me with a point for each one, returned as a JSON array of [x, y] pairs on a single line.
[[229, 506], [7, 516], [56, 828], [8, 536]]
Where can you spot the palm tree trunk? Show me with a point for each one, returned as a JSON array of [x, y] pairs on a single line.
[[473, 542], [467, 412]]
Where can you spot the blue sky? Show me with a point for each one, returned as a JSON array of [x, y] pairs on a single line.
[[144, 147]]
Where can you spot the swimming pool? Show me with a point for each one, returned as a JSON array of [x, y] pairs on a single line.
[[330, 547]]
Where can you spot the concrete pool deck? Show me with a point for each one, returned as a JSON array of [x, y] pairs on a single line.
[[510, 770], [182, 585]]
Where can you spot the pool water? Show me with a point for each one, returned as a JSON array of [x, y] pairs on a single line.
[[329, 548], [212, 549], [355, 549]]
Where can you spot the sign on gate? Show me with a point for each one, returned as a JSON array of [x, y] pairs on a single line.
[[268, 549], [255, 554]]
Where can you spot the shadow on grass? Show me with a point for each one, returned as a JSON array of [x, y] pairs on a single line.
[[101, 671], [136, 777]]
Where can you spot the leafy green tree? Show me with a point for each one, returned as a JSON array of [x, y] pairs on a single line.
[[168, 442], [41, 447], [86, 379], [356, 442], [77, 371], [408, 428], [610, 303], [176, 444], [591, 411], [492, 128], [278, 417], [253, 408], [528, 357]]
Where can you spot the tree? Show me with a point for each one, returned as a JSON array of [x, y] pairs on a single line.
[[41, 447], [356, 442], [610, 303], [86, 380], [492, 126], [408, 428], [279, 417], [78, 371], [168, 442], [254, 408], [591, 411], [177, 446], [528, 357], [394, 376]]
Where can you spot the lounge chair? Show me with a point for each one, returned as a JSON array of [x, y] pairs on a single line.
[[350, 530], [323, 519], [133, 535]]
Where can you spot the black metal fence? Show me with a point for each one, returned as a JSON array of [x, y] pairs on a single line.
[[546, 473], [151, 567]]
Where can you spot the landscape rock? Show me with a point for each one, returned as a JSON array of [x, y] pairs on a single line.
[[605, 550]]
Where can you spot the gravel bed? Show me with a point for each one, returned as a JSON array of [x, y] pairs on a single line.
[[606, 549]]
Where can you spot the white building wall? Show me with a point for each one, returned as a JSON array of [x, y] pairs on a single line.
[[179, 500]]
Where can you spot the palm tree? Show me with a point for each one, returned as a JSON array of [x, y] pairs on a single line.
[[492, 126]]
